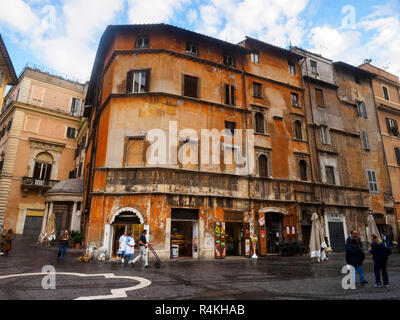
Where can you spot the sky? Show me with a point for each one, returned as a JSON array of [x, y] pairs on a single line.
[[62, 36]]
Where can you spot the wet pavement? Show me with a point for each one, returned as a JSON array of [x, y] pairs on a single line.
[[272, 277]]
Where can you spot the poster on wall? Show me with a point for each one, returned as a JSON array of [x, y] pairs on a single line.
[[220, 245], [246, 236]]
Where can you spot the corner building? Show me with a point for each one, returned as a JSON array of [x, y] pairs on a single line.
[[146, 77]]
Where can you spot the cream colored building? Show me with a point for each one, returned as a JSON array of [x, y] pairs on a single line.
[[42, 115], [7, 72]]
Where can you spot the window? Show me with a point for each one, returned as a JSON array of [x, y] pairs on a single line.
[[330, 174], [255, 57], [230, 95], [361, 110], [43, 166], [392, 127], [297, 130], [319, 96], [71, 132], [295, 99], [230, 127], [228, 60], [385, 92], [138, 81], [142, 42], [324, 135], [80, 173], [191, 48], [314, 66], [364, 135], [1, 78], [397, 153], [263, 166], [372, 181], [75, 104], [1, 165], [259, 122], [9, 125], [303, 170], [292, 69], [190, 86], [257, 90], [134, 151], [356, 79]]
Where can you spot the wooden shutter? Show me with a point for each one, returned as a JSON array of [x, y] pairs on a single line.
[[190, 86], [396, 128], [259, 123], [36, 170], [47, 167], [319, 97], [397, 153], [129, 82], [263, 166], [147, 84], [365, 140]]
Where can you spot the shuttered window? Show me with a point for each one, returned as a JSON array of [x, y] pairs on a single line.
[[257, 90], [330, 175], [324, 135], [259, 122], [297, 130], [71, 132], [295, 99], [230, 98], [190, 86], [364, 135], [303, 170], [263, 166], [385, 93], [392, 127], [372, 181], [361, 110], [397, 153], [138, 81], [42, 171], [319, 95]]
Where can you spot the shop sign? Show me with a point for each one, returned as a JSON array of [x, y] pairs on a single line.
[[261, 221]]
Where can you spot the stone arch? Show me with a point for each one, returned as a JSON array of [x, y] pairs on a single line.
[[127, 209], [273, 209]]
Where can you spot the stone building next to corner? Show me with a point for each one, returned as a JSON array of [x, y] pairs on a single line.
[[149, 77]]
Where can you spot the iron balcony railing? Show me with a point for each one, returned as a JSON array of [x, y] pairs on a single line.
[[38, 183]]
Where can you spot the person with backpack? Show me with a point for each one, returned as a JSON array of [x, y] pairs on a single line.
[[380, 254], [355, 257]]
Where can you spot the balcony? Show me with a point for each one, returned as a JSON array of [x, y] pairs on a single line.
[[30, 184]]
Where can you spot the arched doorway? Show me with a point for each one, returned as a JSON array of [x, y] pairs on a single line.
[[273, 229], [126, 220]]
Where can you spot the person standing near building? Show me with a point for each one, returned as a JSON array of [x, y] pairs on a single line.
[[122, 247], [380, 254], [355, 257], [6, 242], [130, 247], [64, 240], [353, 235], [143, 244]]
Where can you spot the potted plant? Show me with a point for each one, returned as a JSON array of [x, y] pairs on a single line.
[[76, 238]]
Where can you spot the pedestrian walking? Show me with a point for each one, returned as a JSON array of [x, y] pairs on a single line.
[[380, 254], [6, 242], [355, 257], [122, 247], [64, 241], [143, 244], [130, 247]]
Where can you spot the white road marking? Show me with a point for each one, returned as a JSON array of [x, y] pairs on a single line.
[[115, 293]]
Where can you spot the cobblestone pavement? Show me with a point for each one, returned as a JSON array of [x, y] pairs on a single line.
[[273, 277]]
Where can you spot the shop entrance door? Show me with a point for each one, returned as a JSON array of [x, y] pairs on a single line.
[[234, 241], [185, 233], [128, 222], [274, 229]]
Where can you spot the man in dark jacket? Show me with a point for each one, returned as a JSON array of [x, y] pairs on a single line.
[[380, 254], [355, 257], [353, 235]]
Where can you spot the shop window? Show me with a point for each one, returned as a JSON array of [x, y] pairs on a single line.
[[319, 95], [372, 181], [138, 81], [190, 86], [257, 90], [263, 166], [142, 43], [192, 48], [298, 130], [303, 170], [230, 98], [292, 69], [392, 127], [255, 57], [259, 122], [330, 174]]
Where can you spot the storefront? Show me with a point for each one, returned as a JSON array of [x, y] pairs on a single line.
[[126, 222], [184, 233], [235, 233]]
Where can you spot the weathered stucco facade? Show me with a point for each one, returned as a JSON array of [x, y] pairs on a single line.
[[119, 178]]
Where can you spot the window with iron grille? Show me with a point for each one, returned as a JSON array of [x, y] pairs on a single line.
[[138, 81], [228, 60], [372, 181], [142, 42], [230, 95], [190, 86], [257, 90], [364, 135], [392, 127], [71, 133], [291, 67], [192, 48]]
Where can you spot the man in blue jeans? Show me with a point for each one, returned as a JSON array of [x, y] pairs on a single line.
[[62, 249]]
